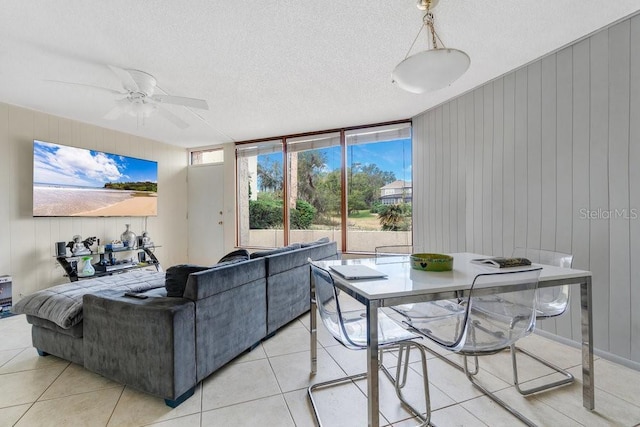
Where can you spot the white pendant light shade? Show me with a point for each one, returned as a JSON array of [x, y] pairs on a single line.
[[430, 70]]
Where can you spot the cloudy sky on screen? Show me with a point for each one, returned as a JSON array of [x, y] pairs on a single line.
[[55, 164]]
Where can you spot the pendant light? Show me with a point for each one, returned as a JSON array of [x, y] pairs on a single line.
[[433, 68]]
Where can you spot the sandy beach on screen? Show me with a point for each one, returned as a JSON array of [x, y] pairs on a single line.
[[136, 206]]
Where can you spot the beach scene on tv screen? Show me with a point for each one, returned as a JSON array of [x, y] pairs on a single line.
[[70, 181]]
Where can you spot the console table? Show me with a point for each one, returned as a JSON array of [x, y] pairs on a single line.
[[108, 264]]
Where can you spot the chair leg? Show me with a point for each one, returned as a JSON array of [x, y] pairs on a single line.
[[350, 378], [398, 383], [568, 378], [495, 398], [327, 384]]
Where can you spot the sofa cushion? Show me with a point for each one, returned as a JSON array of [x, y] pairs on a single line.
[[176, 278], [238, 255], [62, 304], [315, 243], [261, 254], [285, 261], [223, 277]]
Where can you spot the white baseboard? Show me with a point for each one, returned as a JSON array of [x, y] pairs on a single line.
[[600, 353]]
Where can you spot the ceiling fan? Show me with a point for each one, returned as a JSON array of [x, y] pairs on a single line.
[[140, 100]]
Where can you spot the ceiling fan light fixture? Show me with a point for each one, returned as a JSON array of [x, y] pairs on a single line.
[[433, 68], [140, 108]]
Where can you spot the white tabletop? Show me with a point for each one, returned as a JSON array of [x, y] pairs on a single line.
[[403, 281]]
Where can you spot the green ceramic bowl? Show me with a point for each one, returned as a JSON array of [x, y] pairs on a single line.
[[432, 262]]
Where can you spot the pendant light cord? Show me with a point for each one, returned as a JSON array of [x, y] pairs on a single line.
[[427, 21]]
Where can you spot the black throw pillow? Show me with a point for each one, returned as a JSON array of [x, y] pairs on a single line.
[[176, 278]]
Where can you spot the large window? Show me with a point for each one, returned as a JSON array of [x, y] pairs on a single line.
[[378, 187], [352, 186], [315, 201], [260, 194]]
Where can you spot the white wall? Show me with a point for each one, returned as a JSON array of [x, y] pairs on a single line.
[[27, 244], [521, 160]]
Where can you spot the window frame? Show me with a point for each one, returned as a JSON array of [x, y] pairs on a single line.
[[285, 174]]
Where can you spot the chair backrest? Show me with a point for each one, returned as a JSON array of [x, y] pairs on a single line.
[[393, 250], [328, 304], [552, 301], [543, 256], [499, 310]]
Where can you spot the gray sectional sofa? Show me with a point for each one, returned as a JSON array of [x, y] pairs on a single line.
[[166, 345]]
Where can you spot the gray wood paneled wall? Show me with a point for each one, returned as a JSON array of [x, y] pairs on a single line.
[[547, 156]]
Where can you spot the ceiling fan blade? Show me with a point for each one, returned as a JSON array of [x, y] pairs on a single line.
[[181, 100], [128, 83], [172, 118], [106, 89], [114, 113]]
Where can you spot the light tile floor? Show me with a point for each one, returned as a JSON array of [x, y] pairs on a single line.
[[267, 387]]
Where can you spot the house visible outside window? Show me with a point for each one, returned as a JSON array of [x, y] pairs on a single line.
[[378, 187], [352, 186], [396, 192], [203, 157]]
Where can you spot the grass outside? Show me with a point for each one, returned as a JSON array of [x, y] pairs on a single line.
[[362, 220]]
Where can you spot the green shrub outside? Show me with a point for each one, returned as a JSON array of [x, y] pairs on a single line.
[[303, 215], [266, 213], [395, 217]]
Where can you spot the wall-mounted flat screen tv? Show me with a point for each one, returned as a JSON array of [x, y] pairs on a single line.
[[70, 181]]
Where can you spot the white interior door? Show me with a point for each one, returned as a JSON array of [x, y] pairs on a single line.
[[206, 201]]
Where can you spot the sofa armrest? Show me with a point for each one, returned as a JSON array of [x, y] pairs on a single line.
[[148, 344]]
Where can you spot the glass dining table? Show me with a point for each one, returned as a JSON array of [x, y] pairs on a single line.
[[404, 285]]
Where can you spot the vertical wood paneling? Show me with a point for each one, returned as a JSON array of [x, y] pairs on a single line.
[[478, 143], [570, 323], [634, 186], [437, 182], [580, 177], [5, 190], [548, 153], [508, 186], [564, 150], [598, 168], [446, 178], [520, 160], [534, 154], [497, 167], [470, 174], [454, 205], [20, 135], [620, 283], [487, 166], [546, 157], [462, 177]]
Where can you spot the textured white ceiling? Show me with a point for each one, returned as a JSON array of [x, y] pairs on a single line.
[[267, 68]]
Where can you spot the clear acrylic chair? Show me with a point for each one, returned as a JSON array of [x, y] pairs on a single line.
[[349, 327], [551, 302], [497, 311], [393, 250]]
